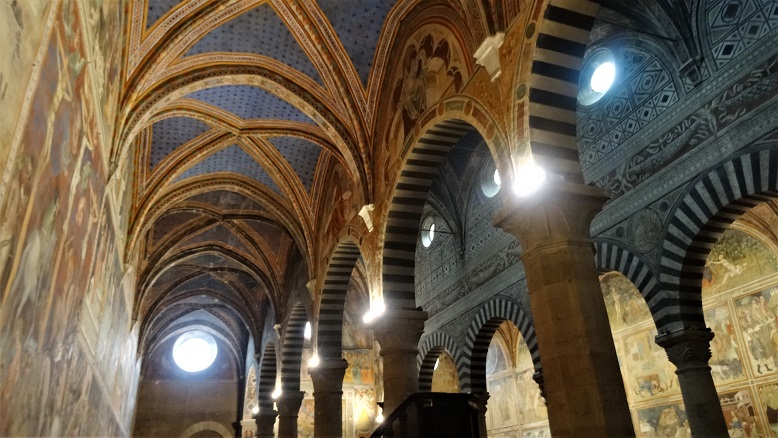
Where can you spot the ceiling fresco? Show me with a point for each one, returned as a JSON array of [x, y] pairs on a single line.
[[243, 115]]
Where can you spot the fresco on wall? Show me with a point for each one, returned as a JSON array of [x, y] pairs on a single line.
[[735, 260], [104, 19], [740, 414], [305, 419], [515, 406], [360, 367], [21, 30], [756, 319], [648, 371], [55, 235], [445, 377], [663, 421], [431, 66], [725, 363], [356, 335], [769, 406], [624, 303]]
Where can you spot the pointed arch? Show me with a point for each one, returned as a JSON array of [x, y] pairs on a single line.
[[711, 203], [333, 300], [479, 335], [609, 256], [292, 352], [430, 349]]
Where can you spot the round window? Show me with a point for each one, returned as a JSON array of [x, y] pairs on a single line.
[[428, 231], [597, 77], [490, 181], [194, 351]]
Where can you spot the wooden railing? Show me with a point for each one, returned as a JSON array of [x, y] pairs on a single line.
[[433, 414]]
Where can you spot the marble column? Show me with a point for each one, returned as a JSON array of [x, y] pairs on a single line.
[[327, 394], [398, 333], [288, 405], [581, 376], [689, 351], [266, 420]]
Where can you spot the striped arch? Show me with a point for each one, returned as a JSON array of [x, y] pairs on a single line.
[[292, 353], [430, 349], [479, 336], [405, 211], [612, 257], [267, 377], [711, 203], [333, 299], [559, 52]]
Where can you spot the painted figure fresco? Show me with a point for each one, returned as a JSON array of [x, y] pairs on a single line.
[[740, 414], [649, 373], [623, 302], [738, 258], [663, 421], [756, 320], [726, 363]]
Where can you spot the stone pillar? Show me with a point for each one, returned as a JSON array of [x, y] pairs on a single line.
[[248, 428], [582, 380], [398, 333], [288, 407], [327, 394], [266, 420], [483, 398], [689, 351]]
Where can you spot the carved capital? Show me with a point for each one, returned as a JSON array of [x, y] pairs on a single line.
[[289, 403], [266, 420], [559, 213], [327, 377], [399, 331], [687, 349]]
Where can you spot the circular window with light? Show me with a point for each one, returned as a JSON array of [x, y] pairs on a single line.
[[490, 181], [597, 77], [194, 351], [428, 231]]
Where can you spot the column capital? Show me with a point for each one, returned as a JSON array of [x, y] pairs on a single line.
[[559, 213], [289, 403], [687, 349], [266, 420], [399, 330], [327, 377]]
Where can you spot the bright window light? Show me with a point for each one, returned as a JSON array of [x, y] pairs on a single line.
[[194, 351], [314, 361], [497, 179], [437, 362], [529, 179], [308, 332], [428, 231], [603, 77]]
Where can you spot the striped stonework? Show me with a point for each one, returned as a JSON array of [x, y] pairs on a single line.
[[292, 353], [479, 336], [267, 376], [560, 48], [709, 206], [611, 257], [405, 211], [333, 300], [430, 348]]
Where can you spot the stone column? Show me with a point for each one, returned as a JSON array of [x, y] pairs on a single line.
[[689, 351], [327, 394], [248, 428], [288, 407], [266, 420], [582, 381], [483, 398], [398, 333]]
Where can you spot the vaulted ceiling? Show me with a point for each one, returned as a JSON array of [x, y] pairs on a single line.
[[240, 114]]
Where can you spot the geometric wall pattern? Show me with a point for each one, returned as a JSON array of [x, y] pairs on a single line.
[[358, 26], [259, 31], [644, 90], [736, 25]]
